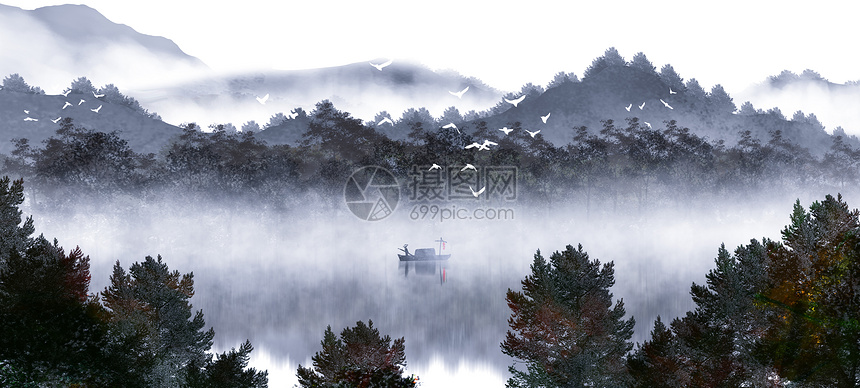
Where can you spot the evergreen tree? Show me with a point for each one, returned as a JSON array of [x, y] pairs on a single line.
[[670, 77], [361, 357], [610, 57], [151, 303], [564, 327], [227, 370], [82, 85], [15, 83], [641, 62], [719, 100]]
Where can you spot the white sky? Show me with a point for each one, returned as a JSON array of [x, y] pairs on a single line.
[[734, 43]]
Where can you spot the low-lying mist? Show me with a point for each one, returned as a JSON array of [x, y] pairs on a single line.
[[279, 279]]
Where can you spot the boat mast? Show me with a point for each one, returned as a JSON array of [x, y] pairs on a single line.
[[440, 241]]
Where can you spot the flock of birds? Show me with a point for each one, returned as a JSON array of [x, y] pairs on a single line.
[[485, 146], [66, 105]]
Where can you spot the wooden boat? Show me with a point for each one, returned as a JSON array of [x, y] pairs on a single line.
[[423, 254]]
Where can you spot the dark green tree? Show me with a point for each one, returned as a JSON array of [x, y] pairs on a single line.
[[227, 370], [361, 357], [151, 303], [564, 327]]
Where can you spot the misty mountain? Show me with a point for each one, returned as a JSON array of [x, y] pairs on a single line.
[[608, 93], [144, 134], [834, 104], [358, 88], [57, 43]]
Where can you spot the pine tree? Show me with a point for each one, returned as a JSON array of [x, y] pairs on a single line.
[[361, 357], [150, 303], [564, 327]]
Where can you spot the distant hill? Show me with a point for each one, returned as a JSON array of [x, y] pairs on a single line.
[[832, 103], [358, 88], [53, 45], [144, 134], [607, 94]]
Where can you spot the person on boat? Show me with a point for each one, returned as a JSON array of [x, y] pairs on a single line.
[[406, 250]]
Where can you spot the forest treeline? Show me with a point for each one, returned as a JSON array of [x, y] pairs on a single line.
[[620, 167]]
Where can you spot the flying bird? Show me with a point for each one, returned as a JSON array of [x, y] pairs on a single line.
[[506, 130], [30, 119], [26, 111], [489, 143], [381, 65], [98, 95], [68, 104], [533, 133], [642, 106], [516, 101], [468, 167], [451, 125], [435, 167], [460, 93], [385, 120], [66, 94], [56, 120], [672, 91], [476, 144], [97, 109], [477, 193], [545, 118], [667, 105], [263, 99], [628, 107], [647, 123], [82, 101]]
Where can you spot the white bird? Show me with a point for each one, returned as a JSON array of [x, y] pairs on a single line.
[[30, 119], [98, 95], [381, 65], [82, 101], [68, 104], [56, 120], [516, 101], [533, 133], [385, 120], [97, 109], [642, 106], [26, 111], [468, 167], [672, 91], [263, 99], [476, 144], [477, 193], [66, 94], [647, 123], [489, 143], [435, 167], [460, 93], [628, 107], [451, 125], [545, 118], [506, 130], [667, 105]]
